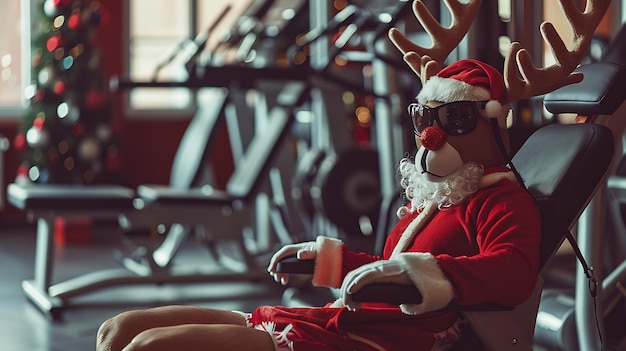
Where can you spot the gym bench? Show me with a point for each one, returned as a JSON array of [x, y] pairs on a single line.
[[43, 204], [225, 213]]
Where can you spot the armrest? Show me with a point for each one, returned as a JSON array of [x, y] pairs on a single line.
[[292, 265], [395, 294], [382, 292]]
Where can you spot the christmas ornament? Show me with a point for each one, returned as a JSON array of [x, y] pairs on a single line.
[[44, 76], [103, 132], [68, 113], [29, 91], [22, 170], [89, 149], [59, 87], [33, 173], [38, 122], [53, 42], [67, 62], [36, 138], [19, 141], [50, 8], [74, 22], [58, 22]]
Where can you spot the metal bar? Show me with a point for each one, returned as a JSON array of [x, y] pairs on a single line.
[[590, 241], [44, 260], [219, 76]]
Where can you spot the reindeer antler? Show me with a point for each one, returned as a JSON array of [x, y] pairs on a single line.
[[426, 62], [524, 80]]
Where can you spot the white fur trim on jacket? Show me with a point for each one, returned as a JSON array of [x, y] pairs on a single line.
[[450, 90], [492, 178], [328, 262], [429, 279], [414, 227]]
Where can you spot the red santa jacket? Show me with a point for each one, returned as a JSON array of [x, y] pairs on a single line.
[[484, 250]]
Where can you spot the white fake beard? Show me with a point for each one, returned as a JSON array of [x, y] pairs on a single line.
[[450, 191]]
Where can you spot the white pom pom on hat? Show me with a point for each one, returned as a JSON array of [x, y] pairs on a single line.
[[493, 108], [467, 80]]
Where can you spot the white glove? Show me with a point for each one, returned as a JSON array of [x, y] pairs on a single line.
[[383, 271], [303, 251]]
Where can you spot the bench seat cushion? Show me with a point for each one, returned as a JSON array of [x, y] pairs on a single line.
[[87, 198]]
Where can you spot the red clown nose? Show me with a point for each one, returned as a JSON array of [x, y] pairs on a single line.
[[433, 138]]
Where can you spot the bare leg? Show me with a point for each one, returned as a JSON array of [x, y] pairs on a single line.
[[115, 333], [200, 337]]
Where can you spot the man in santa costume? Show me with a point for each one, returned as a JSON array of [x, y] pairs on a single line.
[[469, 234]]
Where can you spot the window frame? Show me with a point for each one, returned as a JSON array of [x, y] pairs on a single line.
[[152, 113], [27, 13]]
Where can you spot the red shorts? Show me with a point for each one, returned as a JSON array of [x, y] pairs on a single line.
[[367, 329]]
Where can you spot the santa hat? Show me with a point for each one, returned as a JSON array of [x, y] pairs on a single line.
[[467, 80]]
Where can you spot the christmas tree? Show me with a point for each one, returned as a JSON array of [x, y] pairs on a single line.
[[67, 135]]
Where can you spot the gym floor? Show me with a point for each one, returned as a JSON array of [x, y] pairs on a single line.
[[24, 328]]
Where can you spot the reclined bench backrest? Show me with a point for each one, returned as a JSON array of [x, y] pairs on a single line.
[[562, 166], [200, 134], [255, 160], [197, 140]]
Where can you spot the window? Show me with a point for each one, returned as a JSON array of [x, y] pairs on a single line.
[[161, 38], [156, 27], [14, 48]]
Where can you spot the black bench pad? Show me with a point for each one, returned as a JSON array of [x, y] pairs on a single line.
[[78, 198], [599, 93]]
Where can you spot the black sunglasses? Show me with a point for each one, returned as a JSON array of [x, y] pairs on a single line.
[[455, 118]]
